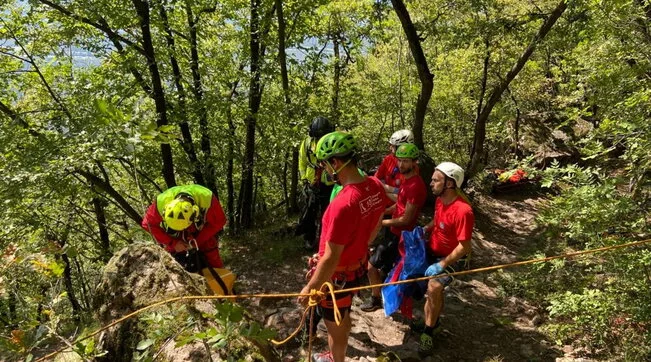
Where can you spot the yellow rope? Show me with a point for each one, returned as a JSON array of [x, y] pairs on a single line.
[[315, 296], [502, 266]]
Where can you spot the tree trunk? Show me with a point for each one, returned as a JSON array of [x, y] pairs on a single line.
[[255, 96], [230, 188], [67, 276], [293, 191], [100, 216], [401, 110], [516, 126], [644, 22], [84, 285], [337, 80], [142, 9], [197, 90], [484, 78], [230, 142], [425, 76], [187, 143], [284, 181], [477, 153], [282, 55], [292, 205]]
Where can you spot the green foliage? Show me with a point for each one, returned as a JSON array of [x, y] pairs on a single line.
[[231, 325], [585, 213], [63, 117], [602, 301], [159, 328]]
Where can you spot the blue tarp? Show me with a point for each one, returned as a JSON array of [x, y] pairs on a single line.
[[412, 265]]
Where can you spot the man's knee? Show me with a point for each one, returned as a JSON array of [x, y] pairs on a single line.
[[434, 288]]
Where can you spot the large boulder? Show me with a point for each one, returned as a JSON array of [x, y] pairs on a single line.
[[143, 274]]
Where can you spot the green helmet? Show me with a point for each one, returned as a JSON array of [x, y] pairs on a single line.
[[335, 144], [407, 150]]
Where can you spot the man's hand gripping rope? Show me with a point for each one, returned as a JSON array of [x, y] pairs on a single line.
[[311, 301]]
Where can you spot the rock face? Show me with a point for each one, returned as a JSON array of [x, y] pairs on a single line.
[[140, 275]]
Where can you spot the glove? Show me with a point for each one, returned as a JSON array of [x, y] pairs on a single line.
[[434, 269]]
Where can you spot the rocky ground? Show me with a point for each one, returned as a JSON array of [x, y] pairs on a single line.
[[479, 324]]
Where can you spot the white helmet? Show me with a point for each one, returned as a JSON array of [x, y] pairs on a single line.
[[400, 137], [452, 170]]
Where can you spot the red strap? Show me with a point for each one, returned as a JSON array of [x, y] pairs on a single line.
[[406, 307]]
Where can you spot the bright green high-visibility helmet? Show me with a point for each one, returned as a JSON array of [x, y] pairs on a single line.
[[335, 144], [407, 150], [179, 214]]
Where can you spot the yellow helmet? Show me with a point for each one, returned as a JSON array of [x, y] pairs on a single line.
[[179, 214]]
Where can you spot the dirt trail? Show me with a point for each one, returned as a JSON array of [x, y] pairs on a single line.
[[478, 324]]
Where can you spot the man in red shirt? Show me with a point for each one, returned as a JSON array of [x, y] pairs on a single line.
[[349, 224], [388, 172], [450, 241], [404, 215], [187, 216]]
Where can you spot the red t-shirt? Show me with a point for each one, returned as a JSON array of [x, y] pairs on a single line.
[[388, 171], [412, 191], [452, 223], [351, 218]]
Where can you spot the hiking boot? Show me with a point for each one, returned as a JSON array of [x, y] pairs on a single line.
[[322, 357], [425, 345], [371, 304]]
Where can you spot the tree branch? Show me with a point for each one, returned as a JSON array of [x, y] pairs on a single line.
[[18, 119], [38, 71], [108, 188], [101, 25]]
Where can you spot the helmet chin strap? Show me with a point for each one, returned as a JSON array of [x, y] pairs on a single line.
[[335, 176]]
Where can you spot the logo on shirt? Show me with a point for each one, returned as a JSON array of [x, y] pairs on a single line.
[[442, 225], [367, 204]]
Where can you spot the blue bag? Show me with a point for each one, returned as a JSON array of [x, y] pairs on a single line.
[[415, 259], [413, 264], [391, 295]]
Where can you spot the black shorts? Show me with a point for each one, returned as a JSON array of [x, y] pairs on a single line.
[[344, 302], [386, 254]]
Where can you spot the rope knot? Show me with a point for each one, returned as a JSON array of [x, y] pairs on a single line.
[[316, 296]]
